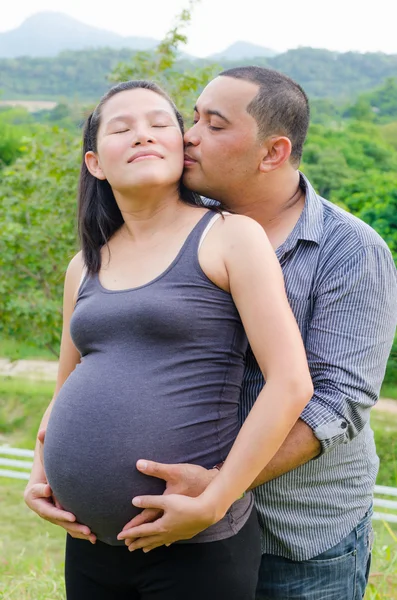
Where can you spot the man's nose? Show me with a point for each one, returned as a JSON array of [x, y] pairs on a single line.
[[191, 137]]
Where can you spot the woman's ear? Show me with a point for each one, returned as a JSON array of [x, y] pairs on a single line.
[[277, 152], [92, 164]]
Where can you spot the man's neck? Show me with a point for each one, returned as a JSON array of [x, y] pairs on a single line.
[[277, 207]]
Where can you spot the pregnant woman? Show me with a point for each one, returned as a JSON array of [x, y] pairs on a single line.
[[158, 306]]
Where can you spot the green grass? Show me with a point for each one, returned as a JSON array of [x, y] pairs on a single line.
[[31, 550], [14, 350], [31, 553], [389, 391], [22, 404], [384, 426]]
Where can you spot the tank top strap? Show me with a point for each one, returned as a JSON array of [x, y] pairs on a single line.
[[199, 231]]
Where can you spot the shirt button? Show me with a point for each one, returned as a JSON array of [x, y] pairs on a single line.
[[343, 425]]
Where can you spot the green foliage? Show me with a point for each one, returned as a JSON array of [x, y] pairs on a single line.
[[337, 156], [372, 196], [389, 133], [384, 426], [23, 350], [391, 371], [37, 221], [84, 74], [377, 105], [183, 86], [69, 75], [10, 145], [15, 116]]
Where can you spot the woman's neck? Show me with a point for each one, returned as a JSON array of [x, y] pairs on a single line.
[[147, 213]]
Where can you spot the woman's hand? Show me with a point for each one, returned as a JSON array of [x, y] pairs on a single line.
[[182, 518], [39, 498]]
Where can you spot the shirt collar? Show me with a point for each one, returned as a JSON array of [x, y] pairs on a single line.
[[310, 224]]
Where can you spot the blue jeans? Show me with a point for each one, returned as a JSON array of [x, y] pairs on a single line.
[[340, 573]]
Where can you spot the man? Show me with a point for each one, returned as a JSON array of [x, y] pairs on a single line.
[[314, 498], [315, 505]]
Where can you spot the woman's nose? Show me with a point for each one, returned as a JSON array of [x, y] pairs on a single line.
[[142, 136]]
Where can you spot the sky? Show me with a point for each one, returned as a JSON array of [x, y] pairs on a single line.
[[342, 25]]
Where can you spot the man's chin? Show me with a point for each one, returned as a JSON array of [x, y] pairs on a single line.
[[188, 181]]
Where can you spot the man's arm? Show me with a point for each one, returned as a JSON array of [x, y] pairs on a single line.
[[300, 446], [348, 343]]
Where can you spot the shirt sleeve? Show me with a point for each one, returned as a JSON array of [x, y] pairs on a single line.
[[348, 342]]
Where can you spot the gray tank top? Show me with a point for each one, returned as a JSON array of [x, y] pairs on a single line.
[[160, 378]]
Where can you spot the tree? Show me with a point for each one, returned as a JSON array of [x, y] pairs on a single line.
[[10, 144], [183, 87], [372, 197], [37, 221]]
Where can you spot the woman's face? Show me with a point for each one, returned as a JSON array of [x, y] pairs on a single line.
[[139, 142]]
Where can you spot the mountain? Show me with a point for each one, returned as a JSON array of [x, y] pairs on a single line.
[[242, 50], [48, 33]]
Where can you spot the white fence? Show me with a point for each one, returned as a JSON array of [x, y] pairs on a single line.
[[18, 463]]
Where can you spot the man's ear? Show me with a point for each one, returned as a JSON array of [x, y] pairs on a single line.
[[92, 164], [277, 152]]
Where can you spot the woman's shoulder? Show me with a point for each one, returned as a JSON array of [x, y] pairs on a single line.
[[75, 271], [76, 264], [240, 228]]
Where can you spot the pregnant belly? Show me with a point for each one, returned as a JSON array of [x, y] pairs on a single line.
[[96, 434]]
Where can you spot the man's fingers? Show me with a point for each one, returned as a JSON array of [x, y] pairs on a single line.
[[146, 516], [156, 469], [159, 502]]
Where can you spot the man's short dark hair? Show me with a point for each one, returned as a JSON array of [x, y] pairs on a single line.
[[280, 107]]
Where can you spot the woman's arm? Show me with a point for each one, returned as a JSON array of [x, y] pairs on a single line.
[[38, 494], [253, 276], [257, 286]]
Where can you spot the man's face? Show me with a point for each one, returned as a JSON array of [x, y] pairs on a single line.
[[223, 151]]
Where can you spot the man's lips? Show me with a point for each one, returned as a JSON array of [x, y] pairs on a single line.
[[144, 154], [188, 160]]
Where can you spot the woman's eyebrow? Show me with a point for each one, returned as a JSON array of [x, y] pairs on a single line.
[[130, 117]]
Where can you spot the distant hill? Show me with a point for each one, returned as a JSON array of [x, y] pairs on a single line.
[[82, 75], [242, 50], [48, 33]]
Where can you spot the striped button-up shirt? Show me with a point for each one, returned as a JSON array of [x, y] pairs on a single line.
[[341, 283]]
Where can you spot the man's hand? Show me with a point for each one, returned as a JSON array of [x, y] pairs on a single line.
[[39, 498], [182, 519], [183, 479]]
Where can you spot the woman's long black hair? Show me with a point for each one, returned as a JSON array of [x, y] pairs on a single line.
[[99, 217]]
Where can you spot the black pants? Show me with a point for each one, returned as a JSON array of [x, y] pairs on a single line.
[[224, 570]]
